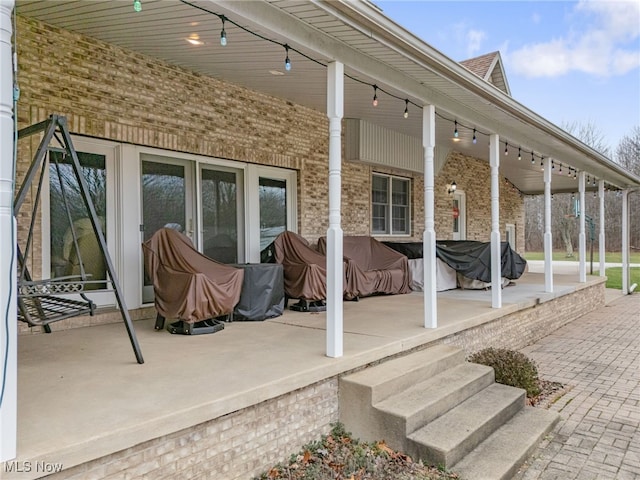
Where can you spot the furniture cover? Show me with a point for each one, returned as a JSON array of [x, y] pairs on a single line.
[[188, 285], [469, 261], [373, 267], [305, 269], [262, 292]]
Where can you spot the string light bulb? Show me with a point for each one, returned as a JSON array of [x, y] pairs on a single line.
[[223, 34], [594, 181], [406, 108], [137, 5], [560, 170], [575, 174], [533, 160], [287, 61], [455, 129], [519, 153], [506, 149], [553, 165], [475, 140], [375, 95]]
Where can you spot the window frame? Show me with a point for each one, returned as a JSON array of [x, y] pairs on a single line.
[[389, 206]]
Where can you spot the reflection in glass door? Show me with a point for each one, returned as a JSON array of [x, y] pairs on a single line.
[[273, 209], [221, 205], [459, 216], [166, 194]]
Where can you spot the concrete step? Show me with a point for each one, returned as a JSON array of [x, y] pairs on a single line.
[[407, 411], [500, 456], [359, 391], [450, 437]]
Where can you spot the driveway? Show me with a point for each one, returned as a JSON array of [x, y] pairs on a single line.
[[598, 357]]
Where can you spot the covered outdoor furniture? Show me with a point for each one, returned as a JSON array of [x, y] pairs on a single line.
[[305, 270], [262, 292], [461, 263], [188, 285], [372, 267]]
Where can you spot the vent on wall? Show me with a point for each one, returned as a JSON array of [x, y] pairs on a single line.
[[369, 143]]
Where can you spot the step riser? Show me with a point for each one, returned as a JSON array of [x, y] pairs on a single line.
[[360, 391], [502, 454], [433, 455], [417, 374], [396, 427]]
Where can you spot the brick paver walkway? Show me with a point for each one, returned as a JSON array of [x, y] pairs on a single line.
[[598, 436]]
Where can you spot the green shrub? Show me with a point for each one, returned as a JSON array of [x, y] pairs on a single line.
[[511, 367]]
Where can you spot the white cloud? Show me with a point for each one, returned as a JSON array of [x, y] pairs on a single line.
[[474, 42], [603, 43]]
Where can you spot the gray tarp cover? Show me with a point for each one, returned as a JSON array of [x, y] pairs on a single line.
[[470, 258], [188, 285], [372, 267]]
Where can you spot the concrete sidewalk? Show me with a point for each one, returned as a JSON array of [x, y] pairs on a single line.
[[598, 358]]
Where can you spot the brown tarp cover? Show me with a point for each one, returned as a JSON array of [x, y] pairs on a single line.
[[373, 267], [305, 269], [188, 285]]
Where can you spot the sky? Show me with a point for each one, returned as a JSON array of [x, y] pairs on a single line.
[[568, 61]]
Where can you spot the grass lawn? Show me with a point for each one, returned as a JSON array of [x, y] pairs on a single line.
[[612, 257], [614, 276]]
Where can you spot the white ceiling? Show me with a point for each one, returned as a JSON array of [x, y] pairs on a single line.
[[379, 53]]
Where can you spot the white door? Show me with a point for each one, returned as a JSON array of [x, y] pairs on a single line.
[[167, 199], [459, 216]]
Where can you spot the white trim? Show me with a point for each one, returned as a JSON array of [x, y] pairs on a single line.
[[548, 238], [252, 202], [8, 325], [110, 151], [601, 235], [429, 239], [461, 234], [582, 236], [335, 268], [496, 261]]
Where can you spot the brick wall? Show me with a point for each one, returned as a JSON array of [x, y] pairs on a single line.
[[237, 446]]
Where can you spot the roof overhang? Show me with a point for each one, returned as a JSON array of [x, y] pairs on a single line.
[[374, 50]]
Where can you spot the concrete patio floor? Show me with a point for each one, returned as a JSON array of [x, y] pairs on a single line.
[[82, 396]]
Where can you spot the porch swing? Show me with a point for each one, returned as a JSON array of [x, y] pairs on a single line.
[[42, 302]]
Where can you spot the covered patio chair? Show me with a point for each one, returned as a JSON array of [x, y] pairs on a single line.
[[188, 285], [372, 267], [305, 272]]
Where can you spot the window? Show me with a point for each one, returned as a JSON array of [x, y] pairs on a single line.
[[390, 205]]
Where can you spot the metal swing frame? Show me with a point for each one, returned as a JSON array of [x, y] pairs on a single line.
[[42, 302]]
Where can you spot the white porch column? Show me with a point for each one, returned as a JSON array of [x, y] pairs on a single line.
[[8, 327], [496, 260], [582, 238], [625, 242], [335, 269], [548, 239], [429, 239], [601, 237]]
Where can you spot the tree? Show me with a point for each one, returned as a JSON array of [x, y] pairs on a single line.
[[590, 134], [628, 151]]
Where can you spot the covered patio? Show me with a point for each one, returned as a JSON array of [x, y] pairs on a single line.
[[78, 395], [83, 401]]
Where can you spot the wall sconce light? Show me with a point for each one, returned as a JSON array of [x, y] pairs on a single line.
[[451, 187]]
